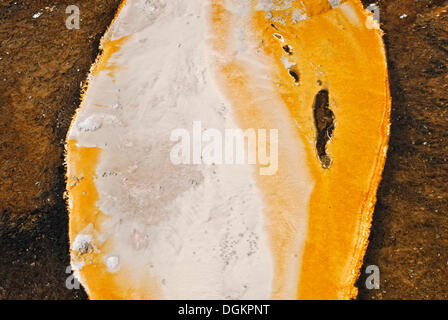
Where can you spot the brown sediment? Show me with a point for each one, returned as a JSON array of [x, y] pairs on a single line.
[[42, 65], [409, 237]]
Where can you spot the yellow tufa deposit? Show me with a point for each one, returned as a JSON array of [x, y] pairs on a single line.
[[143, 226]]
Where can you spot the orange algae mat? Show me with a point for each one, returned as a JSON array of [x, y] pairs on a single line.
[[314, 70]]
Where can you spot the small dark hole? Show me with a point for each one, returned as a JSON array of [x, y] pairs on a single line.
[[295, 75], [274, 26], [287, 49], [279, 36], [325, 123]]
